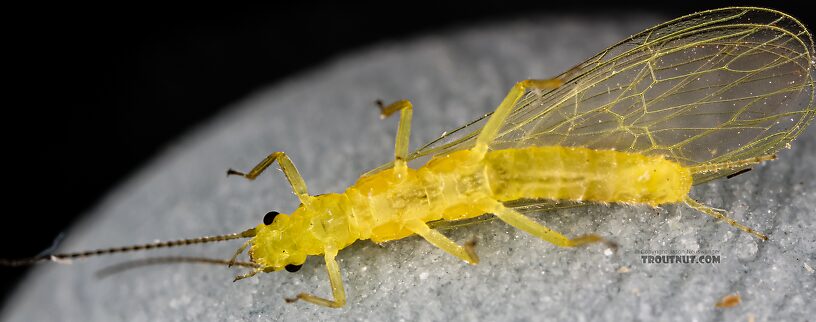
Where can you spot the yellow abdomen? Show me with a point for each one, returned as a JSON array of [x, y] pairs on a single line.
[[567, 173]]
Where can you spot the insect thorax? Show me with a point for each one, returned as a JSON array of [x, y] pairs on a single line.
[[449, 187]]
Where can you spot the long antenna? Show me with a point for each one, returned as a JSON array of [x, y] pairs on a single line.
[[137, 263], [124, 249]]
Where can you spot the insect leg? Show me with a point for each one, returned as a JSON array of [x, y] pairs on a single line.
[[522, 222], [247, 275], [466, 252], [719, 215], [336, 281], [491, 129], [403, 132], [238, 252], [289, 170]]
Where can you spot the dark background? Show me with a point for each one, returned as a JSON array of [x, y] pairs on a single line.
[[92, 93]]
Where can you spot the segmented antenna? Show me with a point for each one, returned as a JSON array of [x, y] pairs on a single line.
[[124, 249], [137, 263]]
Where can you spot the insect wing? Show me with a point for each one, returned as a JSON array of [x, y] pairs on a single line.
[[714, 86]]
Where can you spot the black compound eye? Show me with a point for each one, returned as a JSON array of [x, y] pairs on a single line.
[[293, 268], [270, 217]]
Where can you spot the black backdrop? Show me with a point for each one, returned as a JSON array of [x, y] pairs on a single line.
[[92, 93]]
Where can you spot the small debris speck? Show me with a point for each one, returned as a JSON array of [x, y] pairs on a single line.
[[730, 300]]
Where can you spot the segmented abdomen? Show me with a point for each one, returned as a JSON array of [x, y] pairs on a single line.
[[571, 173]]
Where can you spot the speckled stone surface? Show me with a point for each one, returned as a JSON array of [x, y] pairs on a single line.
[[324, 119]]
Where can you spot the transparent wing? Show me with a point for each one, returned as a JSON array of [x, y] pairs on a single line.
[[714, 86]]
